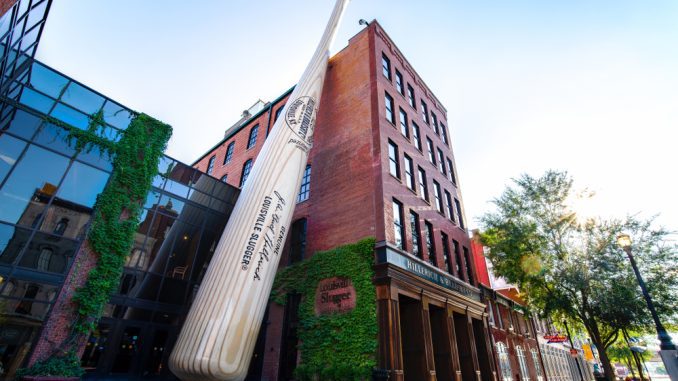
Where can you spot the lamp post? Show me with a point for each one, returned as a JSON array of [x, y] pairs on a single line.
[[667, 348]]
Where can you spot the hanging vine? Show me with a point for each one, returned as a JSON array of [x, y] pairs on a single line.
[[116, 216]]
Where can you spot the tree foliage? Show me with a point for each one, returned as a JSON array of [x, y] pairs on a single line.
[[575, 268]]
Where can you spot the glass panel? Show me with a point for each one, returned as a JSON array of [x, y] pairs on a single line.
[[48, 253], [171, 206], [36, 310], [12, 240], [116, 115], [37, 101], [36, 14], [95, 156], [127, 351], [71, 116], [47, 81], [152, 199], [176, 188], [29, 38], [83, 184], [96, 345], [10, 149], [23, 124], [56, 138], [208, 244], [31, 184], [82, 99]]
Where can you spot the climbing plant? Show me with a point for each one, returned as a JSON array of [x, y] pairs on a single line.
[[340, 346], [116, 216]]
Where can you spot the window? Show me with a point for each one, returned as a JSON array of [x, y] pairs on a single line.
[[410, 95], [210, 164], [224, 178], [409, 173], [430, 246], [450, 171], [448, 206], [277, 113], [467, 259], [245, 172], [253, 136], [537, 364], [504, 362], [429, 145], [44, 259], [305, 189], [398, 226], [417, 138], [460, 218], [298, 241], [416, 234], [424, 112], [443, 130], [435, 123], [490, 314], [61, 226], [422, 184], [457, 258], [229, 152], [523, 365], [388, 100], [436, 196], [393, 163], [441, 162], [399, 83], [404, 129], [386, 66], [446, 252]]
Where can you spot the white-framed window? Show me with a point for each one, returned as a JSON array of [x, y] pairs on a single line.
[[523, 364], [504, 362], [537, 364]]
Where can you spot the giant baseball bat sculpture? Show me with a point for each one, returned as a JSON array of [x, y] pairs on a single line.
[[218, 337]]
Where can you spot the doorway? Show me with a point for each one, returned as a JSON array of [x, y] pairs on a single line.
[[440, 335], [461, 330], [412, 334]]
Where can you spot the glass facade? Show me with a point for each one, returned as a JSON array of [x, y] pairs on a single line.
[[20, 29], [48, 189]]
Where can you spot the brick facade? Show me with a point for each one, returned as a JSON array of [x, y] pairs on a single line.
[[351, 189]]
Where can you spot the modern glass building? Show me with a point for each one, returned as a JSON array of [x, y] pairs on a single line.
[[48, 189]]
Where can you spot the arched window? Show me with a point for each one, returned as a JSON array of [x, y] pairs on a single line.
[[44, 259], [245, 172], [61, 226], [253, 137], [525, 375], [504, 362], [537, 364]]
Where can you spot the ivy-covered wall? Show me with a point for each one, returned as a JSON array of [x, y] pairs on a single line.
[[135, 157], [339, 346]]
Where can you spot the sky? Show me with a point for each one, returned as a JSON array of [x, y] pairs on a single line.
[[589, 87]]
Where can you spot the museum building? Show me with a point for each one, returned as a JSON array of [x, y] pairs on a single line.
[[381, 166]]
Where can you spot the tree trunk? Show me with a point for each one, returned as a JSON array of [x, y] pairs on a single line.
[[592, 328], [628, 363]]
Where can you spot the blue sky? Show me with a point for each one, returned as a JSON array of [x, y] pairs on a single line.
[[585, 86]]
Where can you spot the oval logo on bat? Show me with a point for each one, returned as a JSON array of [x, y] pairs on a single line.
[[300, 117]]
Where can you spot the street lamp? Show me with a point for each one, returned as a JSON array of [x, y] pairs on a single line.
[[665, 340]]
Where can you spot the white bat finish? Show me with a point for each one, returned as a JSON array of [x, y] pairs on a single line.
[[218, 337]]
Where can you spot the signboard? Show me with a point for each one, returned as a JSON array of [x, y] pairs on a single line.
[[428, 272], [588, 353], [334, 296], [574, 352], [555, 338]]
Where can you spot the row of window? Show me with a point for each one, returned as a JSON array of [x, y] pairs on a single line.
[[429, 240], [435, 154], [408, 92], [422, 190], [505, 363]]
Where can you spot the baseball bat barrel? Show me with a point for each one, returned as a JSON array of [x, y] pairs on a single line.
[[218, 337]]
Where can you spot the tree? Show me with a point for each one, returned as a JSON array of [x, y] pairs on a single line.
[[574, 268]]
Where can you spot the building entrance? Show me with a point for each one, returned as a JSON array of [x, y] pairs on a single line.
[[442, 340], [128, 350], [413, 344]]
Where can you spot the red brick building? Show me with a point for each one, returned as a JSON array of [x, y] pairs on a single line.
[[382, 166]]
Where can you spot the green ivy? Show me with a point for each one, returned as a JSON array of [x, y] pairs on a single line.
[[337, 346], [136, 156], [117, 212], [64, 365]]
